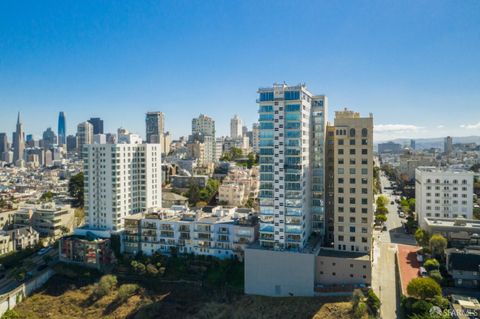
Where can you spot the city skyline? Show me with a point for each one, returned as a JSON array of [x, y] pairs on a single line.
[[118, 62]]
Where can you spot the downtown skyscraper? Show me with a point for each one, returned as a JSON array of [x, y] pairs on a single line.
[[19, 141], [291, 143], [62, 129]]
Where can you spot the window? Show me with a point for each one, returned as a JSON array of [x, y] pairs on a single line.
[[352, 132], [340, 142], [352, 151], [364, 132], [364, 151]]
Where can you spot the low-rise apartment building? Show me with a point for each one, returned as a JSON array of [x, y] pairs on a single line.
[[443, 193], [238, 186], [48, 219], [222, 233]]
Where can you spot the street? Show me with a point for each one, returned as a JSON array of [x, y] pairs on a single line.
[[384, 279], [8, 282]]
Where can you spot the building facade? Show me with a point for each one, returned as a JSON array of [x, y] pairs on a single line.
[[62, 129], [353, 181], [291, 128], [203, 129], [154, 126], [443, 193], [97, 124], [84, 135], [236, 126], [120, 179]]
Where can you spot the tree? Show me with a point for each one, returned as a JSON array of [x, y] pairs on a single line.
[[373, 302], [381, 210], [424, 288], [382, 200], [380, 218], [422, 237], [11, 314], [421, 307], [75, 189], [106, 285], [152, 270], [46, 197], [438, 243], [431, 264], [436, 275]]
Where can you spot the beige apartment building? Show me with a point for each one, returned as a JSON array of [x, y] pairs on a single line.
[[353, 181]]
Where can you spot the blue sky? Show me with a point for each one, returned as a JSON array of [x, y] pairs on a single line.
[[414, 64]]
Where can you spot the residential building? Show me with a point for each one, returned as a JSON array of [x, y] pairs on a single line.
[[329, 185], [239, 185], [125, 137], [19, 142], [62, 129], [179, 181], [99, 139], [155, 127], [353, 181], [221, 233], [288, 136], [120, 179], [47, 219], [464, 267], [236, 126], [443, 193], [84, 135], [203, 128], [24, 237], [97, 124], [87, 250]]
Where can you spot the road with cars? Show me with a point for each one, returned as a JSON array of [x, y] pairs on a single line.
[[384, 279], [36, 264]]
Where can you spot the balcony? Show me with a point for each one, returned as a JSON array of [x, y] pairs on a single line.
[[266, 237]]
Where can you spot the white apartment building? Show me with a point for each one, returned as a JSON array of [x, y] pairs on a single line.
[[120, 180], [291, 131], [236, 126], [84, 135], [353, 181], [222, 233], [443, 193]]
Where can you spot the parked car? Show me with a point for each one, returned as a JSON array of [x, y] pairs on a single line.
[[419, 257], [392, 203], [402, 214], [422, 272], [43, 251]]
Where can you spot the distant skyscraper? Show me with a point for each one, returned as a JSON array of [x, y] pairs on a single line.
[[49, 138], [62, 129], [412, 144], [19, 142], [155, 127], [204, 126], [97, 125], [3, 143], [84, 135], [236, 125], [448, 145], [71, 143]]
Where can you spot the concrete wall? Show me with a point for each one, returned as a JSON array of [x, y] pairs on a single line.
[[10, 299], [278, 273], [341, 270]]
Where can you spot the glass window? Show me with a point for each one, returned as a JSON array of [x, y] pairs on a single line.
[[292, 108]]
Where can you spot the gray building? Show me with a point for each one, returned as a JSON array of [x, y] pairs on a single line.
[[49, 138], [154, 126], [464, 267], [97, 125], [389, 147], [3, 143]]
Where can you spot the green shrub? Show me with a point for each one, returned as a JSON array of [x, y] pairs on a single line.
[[373, 302], [126, 291], [436, 275], [106, 285]]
